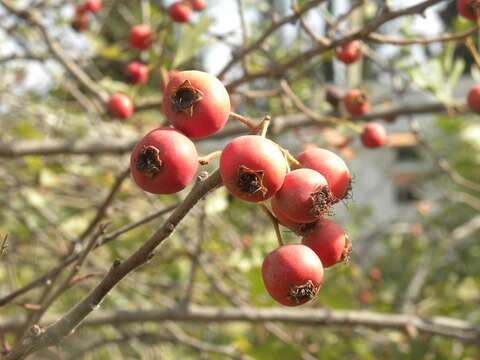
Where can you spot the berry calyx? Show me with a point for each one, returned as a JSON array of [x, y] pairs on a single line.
[[164, 161], [120, 106], [331, 166], [140, 37], [137, 73], [93, 6], [356, 102], [473, 98], [304, 196], [198, 5], [374, 135], [292, 274], [252, 168], [469, 9], [349, 52], [80, 22], [328, 240], [196, 103], [180, 12]]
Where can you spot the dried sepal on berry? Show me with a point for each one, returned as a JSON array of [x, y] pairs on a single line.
[[185, 97]]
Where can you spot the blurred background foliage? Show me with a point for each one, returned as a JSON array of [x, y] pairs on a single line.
[[47, 201]]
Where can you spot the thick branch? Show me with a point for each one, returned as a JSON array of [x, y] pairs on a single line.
[[443, 326]]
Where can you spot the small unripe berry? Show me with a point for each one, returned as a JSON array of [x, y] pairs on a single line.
[[331, 166], [198, 5], [349, 52], [469, 9], [137, 73], [333, 96], [304, 196], [180, 12], [328, 240], [80, 22], [93, 6], [473, 98], [374, 135], [164, 161], [120, 106], [252, 168], [292, 274], [356, 102], [196, 103], [140, 37]]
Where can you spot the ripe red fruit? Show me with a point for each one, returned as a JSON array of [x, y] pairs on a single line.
[[120, 106], [473, 98], [252, 168], [164, 161], [292, 274], [180, 12], [140, 37], [300, 229], [93, 6], [328, 240], [356, 102], [304, 196], [331, 166], [349, 52], [374, 135], [196, 103], [137, 73], [469, 9], [198, 5], [80, 22], [375, 274]]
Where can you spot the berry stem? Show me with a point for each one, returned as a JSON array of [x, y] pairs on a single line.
[[274, 222], [244, 120], [473, 50], [204, 160], [290, 158], [262, 128]]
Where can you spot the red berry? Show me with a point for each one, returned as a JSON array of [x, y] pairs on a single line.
[[137, 73], [375, 274], [80, 10], [120, 106], [300, 229], [374, 135], [198, 5], [93, 6], [328, 240], [469, 9], [80, 23], [140, 37], [180, 12], [292, 274], [304, 196], [331, 166], [349, 52], [473, 98], [356, 102], [164, 161], [196, 103], [252, 168]]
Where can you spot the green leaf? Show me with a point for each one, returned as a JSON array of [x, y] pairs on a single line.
[[191, 41]]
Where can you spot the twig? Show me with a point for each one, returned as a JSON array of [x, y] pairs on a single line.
[[274, 221]]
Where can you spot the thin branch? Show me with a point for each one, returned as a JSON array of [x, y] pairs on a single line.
[[55, 333]]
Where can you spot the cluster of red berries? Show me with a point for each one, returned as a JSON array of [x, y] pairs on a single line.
[[196, 105], [81, 20], [181, 11], [293, 273], [357, 103]]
